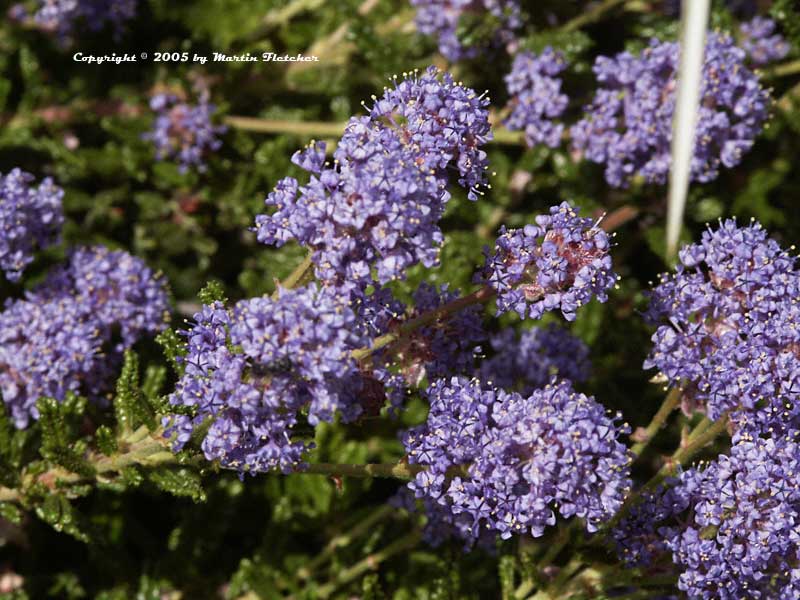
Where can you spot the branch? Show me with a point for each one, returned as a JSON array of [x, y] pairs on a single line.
[[695, 444], [328, 129], [363, 526], [369, 563], [299, 128], [783, 70], [299, 275], [481, 296], [671, 402], [142, 447], [395, 470], [697, 440], [592, 15]]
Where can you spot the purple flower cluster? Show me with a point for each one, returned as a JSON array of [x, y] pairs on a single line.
[[536, 97], [30, 217], [762, 44], [639, 535], [729, 328], [561, 262], [374, 212], [731, 525], [529, 361], [729, 338], [493, 24], [628, 125], [252, 369], [443, 123], [500, 462], [68, 333], [63, 16], [184, 132]]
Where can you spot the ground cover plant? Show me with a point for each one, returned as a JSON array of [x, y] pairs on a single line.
[[378, 299]]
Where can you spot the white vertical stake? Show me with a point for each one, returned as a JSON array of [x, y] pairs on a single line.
[[694, 22]]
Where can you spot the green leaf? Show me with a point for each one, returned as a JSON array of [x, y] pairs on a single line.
[[12, 446], [11, 512], [67, 585], [371, 588], [754, 198], [256, 576], [71, 460], [572, 44], [212, 292], [58, 432], [505, 569], [173, 347], [656, 240], [106, 440], [132, 476], [130, 406], [179, 482], [154, 378], [54, 434], [787, 13], [62, 516]]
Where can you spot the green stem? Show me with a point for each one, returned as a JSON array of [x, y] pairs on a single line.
[[694, 444], [525, 588], [298, 128], [671, 402], [788, 100], [699, 429], [785, 69], [142, 447], [598, 577], [563, 538], [362, 527], [501, 135], [9, 495], [327, 129], [281, 16], [637, 595], [300, 273], [369, 563], [390, 470], [592, 15], [151, 450], [481, 296], [564, 575], [556, 548]]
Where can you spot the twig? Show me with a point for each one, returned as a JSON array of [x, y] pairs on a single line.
[[783, 70], [395, 470], [363, 526], [681, 456], [671, 402], [369, 563], [297, 276], [142, 447], [483, 295], [325, 129], [590, 16], [299, 128]]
